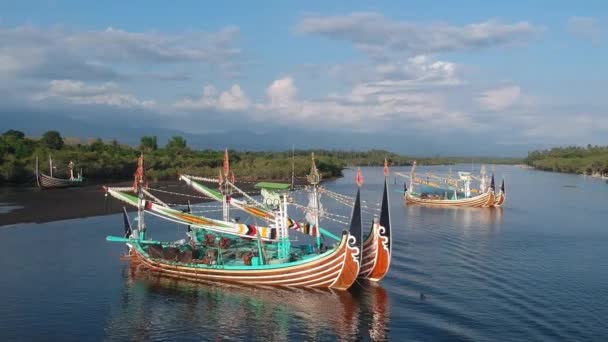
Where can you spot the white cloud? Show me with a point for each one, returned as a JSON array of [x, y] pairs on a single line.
[[56, 52], [500, 98], [282, 92], [77, 92], [586, 28], [377, 35], [233, 99]]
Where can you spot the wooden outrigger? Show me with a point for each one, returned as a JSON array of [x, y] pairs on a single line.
[[45, 181], [265, 258]]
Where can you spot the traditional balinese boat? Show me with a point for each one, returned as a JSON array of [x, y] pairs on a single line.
[[376, 254], [236, 252], [49, 181], [486, 199]]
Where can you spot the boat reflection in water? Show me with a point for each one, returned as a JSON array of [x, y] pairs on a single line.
[[157, 307]]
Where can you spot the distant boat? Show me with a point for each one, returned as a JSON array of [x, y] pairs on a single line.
[[451, 197], [48, 181]]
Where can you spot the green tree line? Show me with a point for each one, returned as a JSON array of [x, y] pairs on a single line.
[[572, 159], [110, 160]]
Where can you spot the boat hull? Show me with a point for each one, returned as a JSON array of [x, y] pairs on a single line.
[[376, 254], [47, 182], [500, 199], [337, 269], [484, 200]]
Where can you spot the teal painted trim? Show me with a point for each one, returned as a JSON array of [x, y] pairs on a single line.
[[260, 252], [135, 241], [245, 268], [329, 234]]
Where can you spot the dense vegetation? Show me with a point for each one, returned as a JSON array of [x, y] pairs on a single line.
[[110, 160], [592, 160]]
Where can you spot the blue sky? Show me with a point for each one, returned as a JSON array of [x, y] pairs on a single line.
[[497, 74]]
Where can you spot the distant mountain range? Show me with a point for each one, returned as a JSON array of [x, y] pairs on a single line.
[[413, 144]]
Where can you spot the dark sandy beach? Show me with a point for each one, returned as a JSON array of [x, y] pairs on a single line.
[[39, 206]]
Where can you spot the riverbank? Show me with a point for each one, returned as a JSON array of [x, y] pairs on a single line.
[[32, 205]]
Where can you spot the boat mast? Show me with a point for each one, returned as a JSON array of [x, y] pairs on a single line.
[[225, 187], [293, 166], [138, 185], [412, 175], [50, 165], [314, 178]]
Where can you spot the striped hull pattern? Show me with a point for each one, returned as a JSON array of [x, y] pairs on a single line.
[[45, 181], [376, 255], [338, 269], [484, 200], [500, 199]]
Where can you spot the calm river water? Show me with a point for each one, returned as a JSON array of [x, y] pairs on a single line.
[[536, 269]]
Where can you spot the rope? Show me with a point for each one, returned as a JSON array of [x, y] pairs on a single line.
[[177, 193], [154, 197], [245, 194]]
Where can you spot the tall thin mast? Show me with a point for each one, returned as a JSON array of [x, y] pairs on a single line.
[[412, 175], [225, 187], [50, 165], [138, 185], [314, 178], [293, 166]]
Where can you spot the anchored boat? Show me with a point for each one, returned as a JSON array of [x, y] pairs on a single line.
[[45, 181], [226, 251], [376, 254]]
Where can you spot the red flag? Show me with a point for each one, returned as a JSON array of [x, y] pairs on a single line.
[[359, 178], [139, 173], [385, 167], [226, 163]]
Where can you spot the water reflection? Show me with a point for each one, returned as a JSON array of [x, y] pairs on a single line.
[[157, 307]]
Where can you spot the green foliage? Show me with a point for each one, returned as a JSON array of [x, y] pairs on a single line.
[[177, 144], [52, 140], [14, 133], [148, 143], [109, 160], [571, 159]]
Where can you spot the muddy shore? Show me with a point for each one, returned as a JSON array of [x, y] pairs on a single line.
[[32, 205]]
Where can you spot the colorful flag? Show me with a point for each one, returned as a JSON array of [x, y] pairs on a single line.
[[226, 163], [359, 179], [385, 167], [139, 173]]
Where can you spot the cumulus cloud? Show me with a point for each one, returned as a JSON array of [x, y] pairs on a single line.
[[233, 99], [77, 92], [499, 98], [586, 28], [376, 34]]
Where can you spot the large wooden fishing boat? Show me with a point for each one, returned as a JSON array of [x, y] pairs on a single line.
[[486, 198], [227, 251], [48, 181], [376, 252]]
